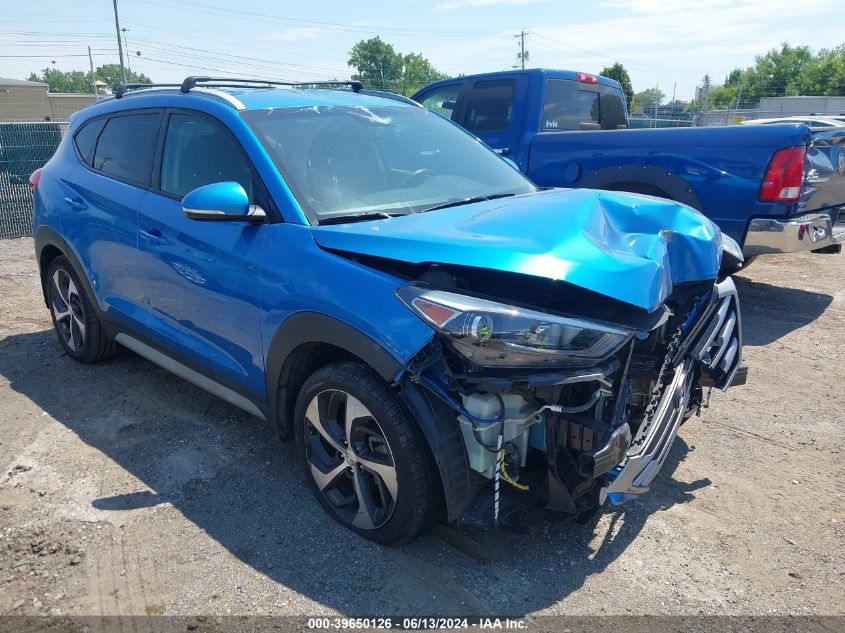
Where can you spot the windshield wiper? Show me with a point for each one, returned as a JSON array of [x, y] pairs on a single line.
[[472, 200], [358, 217]]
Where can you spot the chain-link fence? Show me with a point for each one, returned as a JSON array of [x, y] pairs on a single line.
[[638, 123], [24, 147]]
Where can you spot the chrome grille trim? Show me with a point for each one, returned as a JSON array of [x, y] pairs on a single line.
[[720, 347], [717, 350], [648, 454]]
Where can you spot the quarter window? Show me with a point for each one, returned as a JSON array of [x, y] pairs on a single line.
[[490, 106], [126, 147], [86, 138], [199, 151]]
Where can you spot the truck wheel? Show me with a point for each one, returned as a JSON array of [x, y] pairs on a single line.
[[73, 315], [363, 455]]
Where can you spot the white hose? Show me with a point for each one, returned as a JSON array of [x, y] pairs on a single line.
[[496, 479]]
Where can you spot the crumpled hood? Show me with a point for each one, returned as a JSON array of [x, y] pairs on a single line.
[[630, 247]]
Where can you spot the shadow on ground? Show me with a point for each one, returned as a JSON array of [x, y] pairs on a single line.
[[771, 312], [222, 470]]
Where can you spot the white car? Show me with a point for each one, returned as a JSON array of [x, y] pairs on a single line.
[[810, 121]]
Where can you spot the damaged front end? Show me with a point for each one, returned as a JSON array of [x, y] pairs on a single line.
[[560, 410], [575, 331]]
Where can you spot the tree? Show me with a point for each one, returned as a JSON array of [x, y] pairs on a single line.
[[59, 81], [417, 71], [378, 65], [618, 72], [112, 74], [80, 82], [825, 74], [649, 98]]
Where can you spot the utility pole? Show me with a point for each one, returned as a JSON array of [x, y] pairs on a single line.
[[523, 54], [93, 76], [119, 42], [128, 54]]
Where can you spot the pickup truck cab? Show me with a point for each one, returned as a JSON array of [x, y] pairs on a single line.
[[771, 188]]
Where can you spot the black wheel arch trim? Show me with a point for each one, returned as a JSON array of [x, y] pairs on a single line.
[[47, 236], [672, 184], [439, 426], [317, 328]]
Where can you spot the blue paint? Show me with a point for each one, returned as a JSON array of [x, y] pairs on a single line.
[[631, 248], [217, 293], [229, 198]]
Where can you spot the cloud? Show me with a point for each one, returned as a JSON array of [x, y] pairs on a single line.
[[452, 5]]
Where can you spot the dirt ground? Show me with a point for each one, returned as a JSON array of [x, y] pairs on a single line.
[[124, 490]]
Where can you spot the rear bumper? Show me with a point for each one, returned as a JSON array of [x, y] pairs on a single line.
[[803, 233]]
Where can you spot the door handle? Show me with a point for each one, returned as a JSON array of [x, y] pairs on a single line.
[[153, 236], [503, 151], [76, 204]]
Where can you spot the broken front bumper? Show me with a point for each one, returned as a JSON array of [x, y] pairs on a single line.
[[716, 352], [804, 233]]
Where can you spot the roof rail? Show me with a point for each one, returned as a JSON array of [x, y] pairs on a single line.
[[122, 89], [237, 82]]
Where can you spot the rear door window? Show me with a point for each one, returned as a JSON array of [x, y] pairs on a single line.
[[490, 105], [570, 105], [126, 147]]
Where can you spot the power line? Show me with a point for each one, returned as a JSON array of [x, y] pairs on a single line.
[[188, 5]]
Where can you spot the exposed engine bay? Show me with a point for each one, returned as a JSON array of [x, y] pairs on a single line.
[[564, 397]]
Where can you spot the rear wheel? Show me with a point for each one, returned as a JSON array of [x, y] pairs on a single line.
[[363, 455], [74, 318]]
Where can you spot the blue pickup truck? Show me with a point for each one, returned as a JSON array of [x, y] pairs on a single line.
[[773, 189]]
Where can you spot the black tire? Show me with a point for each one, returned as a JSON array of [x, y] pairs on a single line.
[[70, 308], [413, 506]]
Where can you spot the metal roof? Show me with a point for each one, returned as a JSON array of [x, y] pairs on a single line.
[[6, 81]]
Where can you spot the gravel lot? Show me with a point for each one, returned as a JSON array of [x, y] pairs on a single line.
[[124, 490]]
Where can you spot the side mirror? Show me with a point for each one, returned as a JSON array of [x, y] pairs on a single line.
[[221, 201]]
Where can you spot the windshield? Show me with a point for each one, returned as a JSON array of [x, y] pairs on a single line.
[[353, 160]]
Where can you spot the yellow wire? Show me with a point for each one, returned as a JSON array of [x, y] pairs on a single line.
[[505, 474]]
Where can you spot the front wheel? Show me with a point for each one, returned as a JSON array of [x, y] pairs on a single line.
[[364, 457]]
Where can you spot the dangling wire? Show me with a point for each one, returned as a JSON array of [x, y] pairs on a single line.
[[496, 480], [505, 475]]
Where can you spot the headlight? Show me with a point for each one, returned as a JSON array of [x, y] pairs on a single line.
[[733, 250], [498, 335]]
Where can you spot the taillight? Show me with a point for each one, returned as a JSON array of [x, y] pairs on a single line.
[[587, 78], [784, 176], [35, 178]]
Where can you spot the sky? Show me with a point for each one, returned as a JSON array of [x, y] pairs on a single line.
[[670, 44]]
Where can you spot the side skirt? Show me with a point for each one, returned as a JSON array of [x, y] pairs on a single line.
[[185, 372]]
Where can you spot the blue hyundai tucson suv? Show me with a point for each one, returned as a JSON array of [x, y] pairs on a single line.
[[444, 340]]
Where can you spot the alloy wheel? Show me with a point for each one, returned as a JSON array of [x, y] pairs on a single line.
[[67, 310], [350, 459]]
